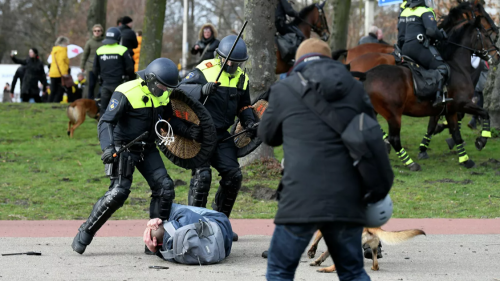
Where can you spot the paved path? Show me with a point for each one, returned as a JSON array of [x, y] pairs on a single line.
[[453, 250]]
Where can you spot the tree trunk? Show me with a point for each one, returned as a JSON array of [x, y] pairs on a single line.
[[259, 38], [97, 14], [152, 32], [492, 95], [340, 16]]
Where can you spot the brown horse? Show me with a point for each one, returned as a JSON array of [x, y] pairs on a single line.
[[391, 87], [353, 53], [311, 18]]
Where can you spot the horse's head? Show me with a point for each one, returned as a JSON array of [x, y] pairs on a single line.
[[320, 25], [471, 18]]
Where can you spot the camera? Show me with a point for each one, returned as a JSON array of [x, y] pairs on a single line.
[[13, 52]]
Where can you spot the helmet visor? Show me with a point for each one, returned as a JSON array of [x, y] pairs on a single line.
[[231, 66]]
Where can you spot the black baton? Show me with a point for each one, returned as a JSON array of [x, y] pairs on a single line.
[[139, 138]]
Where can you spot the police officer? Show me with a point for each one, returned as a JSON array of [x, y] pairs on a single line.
[[421, 27], [113, 65], [284, 9], [135, 107], [227, 98]]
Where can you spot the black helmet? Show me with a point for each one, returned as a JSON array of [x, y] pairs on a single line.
[[113, 35], [416, 3], [240, 50], [160, 71]]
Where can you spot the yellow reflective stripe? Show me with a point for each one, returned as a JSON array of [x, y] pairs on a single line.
[[111, 50], [463, 158], [486, 134], [417, 11], [403, 5], [135, 92], [404, 157], [211, 73], [445, 122]]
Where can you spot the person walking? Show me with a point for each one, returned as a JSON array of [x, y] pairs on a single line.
[[33, 73], [87, 61], [58, 68], [327, 195]]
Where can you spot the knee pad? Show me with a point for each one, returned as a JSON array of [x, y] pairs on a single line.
[[231, 181], [164, 188], [201, 180], [116, 197]]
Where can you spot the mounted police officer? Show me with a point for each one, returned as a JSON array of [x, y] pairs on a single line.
[[284, 9], [421, 27], [113, 65], [226, 99], [401, 26], [135, 107]]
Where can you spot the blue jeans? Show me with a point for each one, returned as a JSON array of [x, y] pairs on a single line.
[[290, 240]]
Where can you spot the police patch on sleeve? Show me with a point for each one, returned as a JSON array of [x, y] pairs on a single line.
[[190, 75], [112, 105], [431, 17]]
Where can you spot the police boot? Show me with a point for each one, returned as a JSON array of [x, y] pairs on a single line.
[[368, 251], [81, 241], [225, 197], [472, 123], [264, 254], [199, 187]]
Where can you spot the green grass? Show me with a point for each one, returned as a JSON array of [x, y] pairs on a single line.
[[46, 175]]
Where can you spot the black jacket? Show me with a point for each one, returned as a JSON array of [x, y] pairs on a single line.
[[18, 75], [421, 23], [283, 9], [111, 63], [320, 183], [129, 39], [210, 43], [33, 73]]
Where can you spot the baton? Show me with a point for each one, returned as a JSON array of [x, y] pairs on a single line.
[[240, 133], [228, 56], [27, 253], [139, 138]]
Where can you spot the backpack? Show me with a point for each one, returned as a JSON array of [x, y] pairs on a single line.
[[362, 136], [196, 243]]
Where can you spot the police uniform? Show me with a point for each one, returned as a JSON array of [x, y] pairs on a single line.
[[421, 21], [231, 99], [113, 65], [131, 111], [284, 9], [401, 26]]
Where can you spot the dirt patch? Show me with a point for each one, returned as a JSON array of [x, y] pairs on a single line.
[[65, 179], [450, 181], [35, 170], [138, 201], [38, 136], [179, 183], [22, 203], [93, 180], [260, 192], [476, 173]]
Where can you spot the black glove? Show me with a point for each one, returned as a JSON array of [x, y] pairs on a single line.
[[251, 128], [107, 155], [210, 88], [195, 133]]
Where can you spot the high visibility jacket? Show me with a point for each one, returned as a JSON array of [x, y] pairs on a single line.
[[420, 20], [113, 64], [131, 111], [232, 98], [401, 26]]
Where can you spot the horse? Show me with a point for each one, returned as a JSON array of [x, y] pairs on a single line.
[[391, 87], [353, 53], [310, 18]]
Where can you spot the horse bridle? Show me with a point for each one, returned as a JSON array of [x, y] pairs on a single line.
[[483, 53], [324, 24]]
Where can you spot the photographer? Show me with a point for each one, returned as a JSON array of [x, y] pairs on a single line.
[[32, 74]]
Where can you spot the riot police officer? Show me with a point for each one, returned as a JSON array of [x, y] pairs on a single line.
[[135, 107], [227, 98], [421, 27], [113, 65]]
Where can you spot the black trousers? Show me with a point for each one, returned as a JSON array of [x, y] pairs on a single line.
[[56, 90], [33, 93], [224, 159], [106, 93], [92, 84], [421, 55]]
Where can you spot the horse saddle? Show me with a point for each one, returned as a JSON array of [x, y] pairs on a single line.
[[425, 81]]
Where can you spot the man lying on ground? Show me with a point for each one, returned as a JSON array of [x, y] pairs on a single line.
[[192, 235]]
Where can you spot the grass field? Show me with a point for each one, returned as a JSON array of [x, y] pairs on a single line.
[[46, 175]]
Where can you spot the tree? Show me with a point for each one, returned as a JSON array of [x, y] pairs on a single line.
[[340, 19], [152, 32], [97, 14], [492, 95], [259, 38]]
